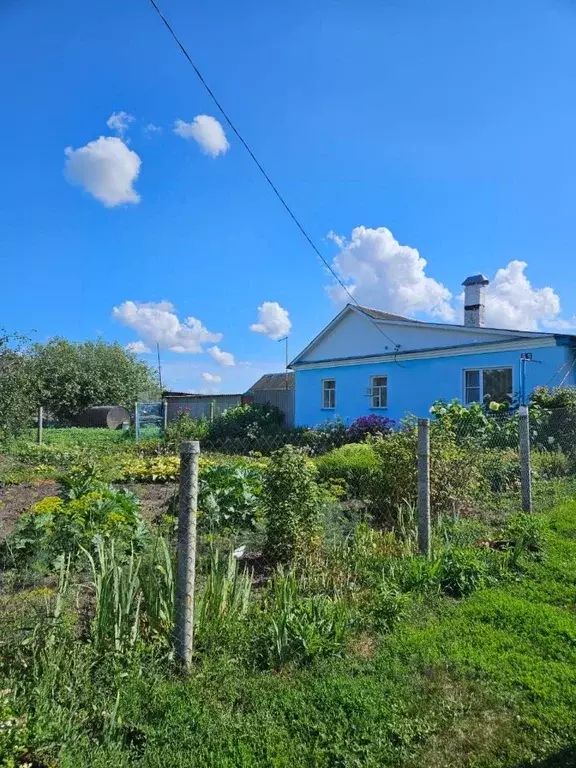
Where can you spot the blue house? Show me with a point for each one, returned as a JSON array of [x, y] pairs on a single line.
[[368, 361]]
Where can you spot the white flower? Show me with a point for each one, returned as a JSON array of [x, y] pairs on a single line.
[[550, 440]]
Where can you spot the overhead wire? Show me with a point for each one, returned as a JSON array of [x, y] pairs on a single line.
[[269, 181]]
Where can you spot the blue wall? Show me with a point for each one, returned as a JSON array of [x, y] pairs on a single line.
[[413, 387]]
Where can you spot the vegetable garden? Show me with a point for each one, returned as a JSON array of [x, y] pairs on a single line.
[[320, 633]]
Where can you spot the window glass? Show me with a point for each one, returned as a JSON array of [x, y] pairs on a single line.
[[497, 385], [472, 387], [379, 391], [329, 393]]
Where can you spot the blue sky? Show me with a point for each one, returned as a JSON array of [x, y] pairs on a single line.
[[450, 124]]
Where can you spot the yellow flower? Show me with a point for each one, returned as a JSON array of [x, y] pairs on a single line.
[[494, 406], [49, 505]]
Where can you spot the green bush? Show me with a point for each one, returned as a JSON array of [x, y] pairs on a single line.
[[355, 464], [185, 428], [549, 465], [248, 422], [461, 571], [292, 505], [499, 469]]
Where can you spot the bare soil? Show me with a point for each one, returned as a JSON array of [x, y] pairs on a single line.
[[15, 499]]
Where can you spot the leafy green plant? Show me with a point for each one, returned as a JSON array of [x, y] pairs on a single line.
[[461, 571], [528, 534], [249, 422], [57, 525], [292, 504], [299, 629], [153, 469], [229, 497]]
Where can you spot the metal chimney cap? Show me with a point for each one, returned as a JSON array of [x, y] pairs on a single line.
[[479, 279]]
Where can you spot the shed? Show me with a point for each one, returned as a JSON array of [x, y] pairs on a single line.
[[276, 389]]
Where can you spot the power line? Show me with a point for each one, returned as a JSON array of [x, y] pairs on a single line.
[[261, 169]]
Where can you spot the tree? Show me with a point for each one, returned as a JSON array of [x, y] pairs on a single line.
[[71, 376], [17, 403]]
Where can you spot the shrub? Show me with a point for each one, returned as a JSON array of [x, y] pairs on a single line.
[[499, 469], [369, 425], [249, 422], [228, 496], [549, 465], [292, 504], [355, 464], [185, 428], [326, 436]]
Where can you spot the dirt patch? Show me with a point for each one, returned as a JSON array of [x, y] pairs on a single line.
[[155, 499], [15, 499]]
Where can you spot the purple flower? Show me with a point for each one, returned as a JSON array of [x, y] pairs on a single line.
[[369, 425]]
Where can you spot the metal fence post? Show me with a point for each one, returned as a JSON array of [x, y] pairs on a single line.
[[525, 470], [424, 487], [165, 413], [40, 425], [184, 608]]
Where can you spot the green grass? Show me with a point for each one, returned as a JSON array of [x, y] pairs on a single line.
[[486, 681]]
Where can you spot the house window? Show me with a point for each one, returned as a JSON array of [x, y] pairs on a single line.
[[379, 392], [488, 384], [329, 393]]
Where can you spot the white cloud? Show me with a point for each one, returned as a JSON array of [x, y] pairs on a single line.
[[381, 273], [273, 321], [151, 128], [157, 322], [223, 358], [212, 378], [106, 168], [137, 347], [512, 302], [119, 122], [207, 132]]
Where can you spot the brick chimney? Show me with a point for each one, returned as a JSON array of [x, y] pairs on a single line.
[[474, 300]]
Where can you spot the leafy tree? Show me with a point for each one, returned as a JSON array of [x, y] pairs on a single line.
[[17, 402], [72, 376]]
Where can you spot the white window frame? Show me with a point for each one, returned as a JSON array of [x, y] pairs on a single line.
[[481, 370], [324, 390], [373, 397]]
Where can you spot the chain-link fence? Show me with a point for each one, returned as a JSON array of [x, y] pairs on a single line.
[[460, 463]]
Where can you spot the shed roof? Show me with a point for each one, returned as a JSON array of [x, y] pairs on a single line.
[[274, 381]]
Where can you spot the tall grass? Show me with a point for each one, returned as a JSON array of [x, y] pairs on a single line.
[[117, 597]]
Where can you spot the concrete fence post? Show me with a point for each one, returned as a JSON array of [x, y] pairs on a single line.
[[165, 413], [184, 608], [525, 469], [424, 538], [40, 425]]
